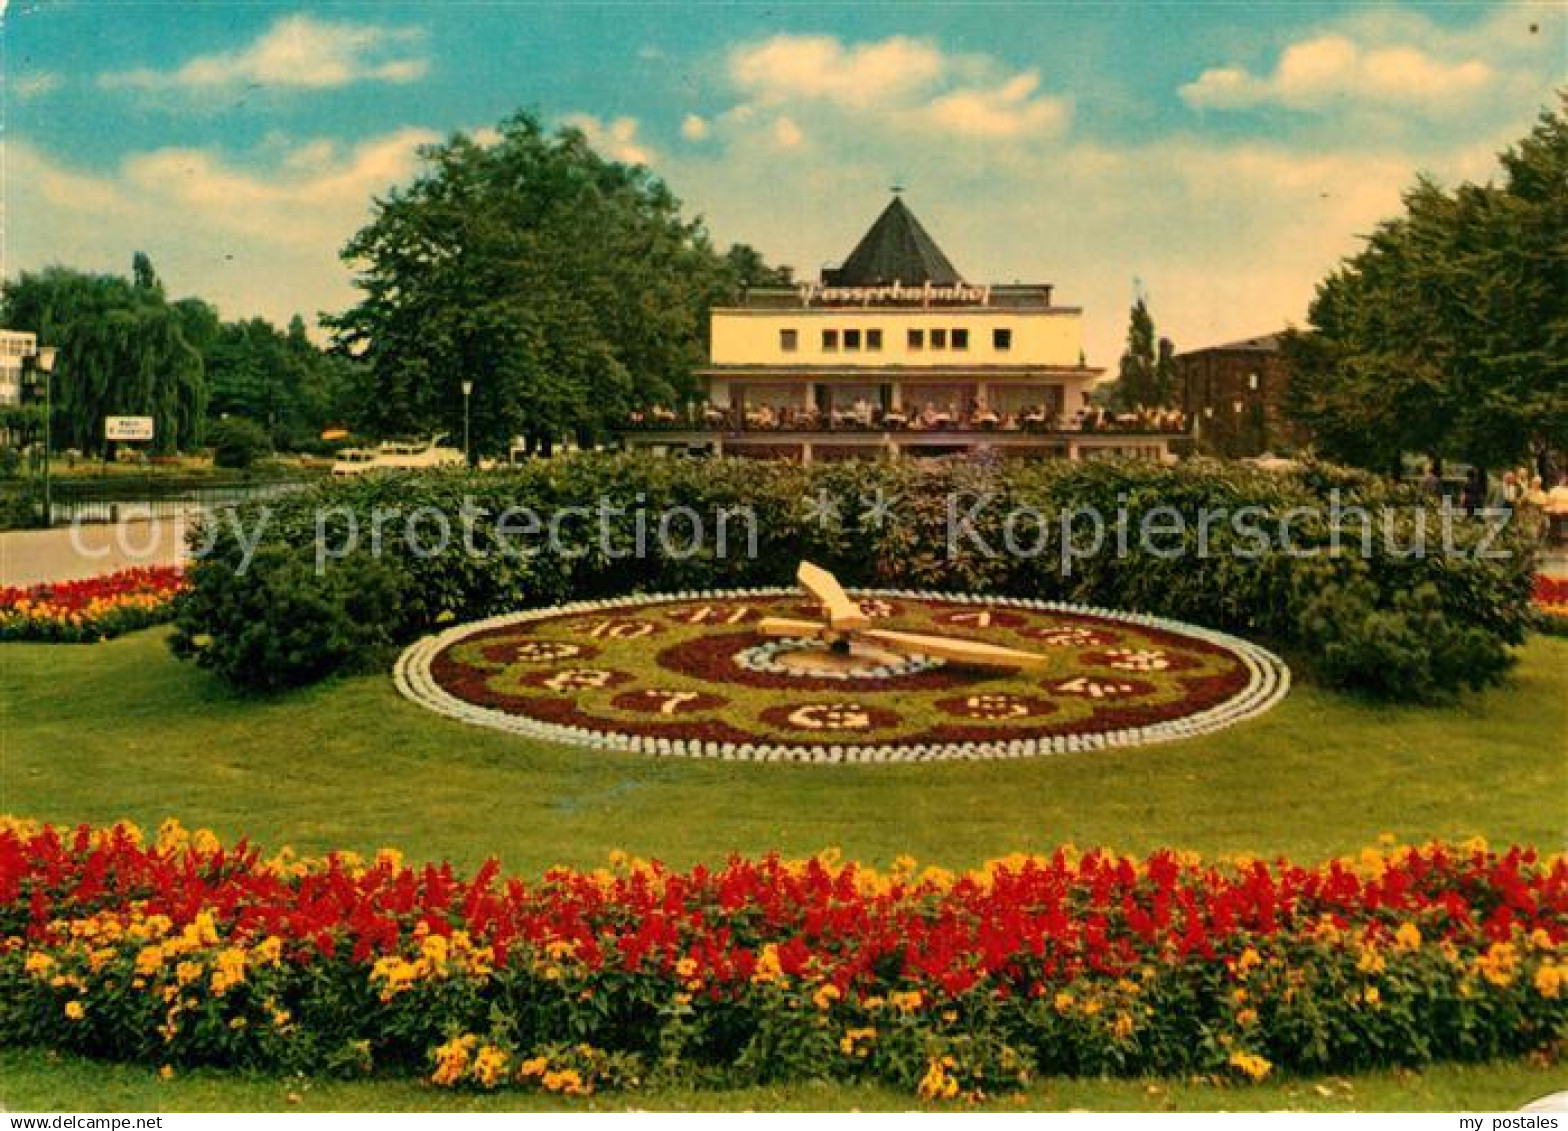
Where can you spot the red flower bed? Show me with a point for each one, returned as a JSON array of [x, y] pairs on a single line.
[[184, 951], [93, 609]]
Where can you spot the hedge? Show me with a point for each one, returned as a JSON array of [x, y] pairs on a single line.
[[1388, 622]]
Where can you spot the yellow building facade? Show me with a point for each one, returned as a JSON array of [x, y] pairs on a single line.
[[895, 353]]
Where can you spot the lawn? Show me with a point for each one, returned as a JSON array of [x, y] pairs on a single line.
[[121, 729], [35, 1081]]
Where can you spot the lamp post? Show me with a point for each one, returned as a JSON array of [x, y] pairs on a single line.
[[468, 455], [43, 360]]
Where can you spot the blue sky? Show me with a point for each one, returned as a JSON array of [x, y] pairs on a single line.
[[1223, 154]]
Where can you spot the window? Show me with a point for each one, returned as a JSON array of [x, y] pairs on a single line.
[[1002, 339], [830, 339], [960, 339], [1252, 382], [939, 339], [852, 339], [789, 340], [917, 339], [873, 339]]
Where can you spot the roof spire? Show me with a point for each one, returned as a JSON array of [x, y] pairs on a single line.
[[896, 249]]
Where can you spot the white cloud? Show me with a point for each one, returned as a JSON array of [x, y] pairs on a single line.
[[694, 127], [254, 241], [790, 67], [787, 133], [1007, 111], [616, 139], [898, 83], [297, 51], [1332, 68], [33, 85]]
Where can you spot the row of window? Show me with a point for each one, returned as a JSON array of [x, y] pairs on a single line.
[[871, 340]]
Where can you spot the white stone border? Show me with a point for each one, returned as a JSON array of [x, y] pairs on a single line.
[[1268, 682]]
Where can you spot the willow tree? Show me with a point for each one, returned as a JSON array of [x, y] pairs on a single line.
[[123, 350]]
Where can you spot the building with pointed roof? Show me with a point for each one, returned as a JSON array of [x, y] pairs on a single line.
[[895, 352], [896, 249]]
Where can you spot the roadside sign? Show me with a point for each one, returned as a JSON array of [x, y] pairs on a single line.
[[127, 428]]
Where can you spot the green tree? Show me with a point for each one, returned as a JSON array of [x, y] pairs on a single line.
[[124, 350], [1448, 333], [1135, 376], [567, 288]]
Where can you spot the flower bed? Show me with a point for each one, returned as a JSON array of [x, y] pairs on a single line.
[[95, 609], [184, 952], [689, 676], [1551, 604]]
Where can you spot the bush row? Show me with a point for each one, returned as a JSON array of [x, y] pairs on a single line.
[[329, 585]]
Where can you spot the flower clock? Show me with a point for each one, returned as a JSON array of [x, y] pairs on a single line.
[[829, 676]]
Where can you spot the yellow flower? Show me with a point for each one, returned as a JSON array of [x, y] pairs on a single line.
[[1247, 1018], [187, 972], [1371, 996], [1063, 1001], [74, 1011], [825, 996], [229, 971], [1252, 1066], [1370, 961], [1248, 959], [1497, 964], [768, 967], [149, 960], [166, 1072], [937, 1083], [905, 1001], [567, 1082], [1549, 980], [533, 1066], [1408, 937], [857, 1042], [452, 1060], [1122, 1027], [38, 964], [490, 1066]]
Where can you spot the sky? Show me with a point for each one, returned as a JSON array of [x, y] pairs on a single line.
[[1218, 157]]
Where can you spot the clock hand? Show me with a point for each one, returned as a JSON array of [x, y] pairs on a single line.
[[843, 614], [955, 649], [792, 629]]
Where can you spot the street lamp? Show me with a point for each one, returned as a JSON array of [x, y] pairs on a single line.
[[468, 455], [43, 361]]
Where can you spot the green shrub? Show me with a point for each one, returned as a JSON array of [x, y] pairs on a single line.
[[1401, 625], [237, 442]]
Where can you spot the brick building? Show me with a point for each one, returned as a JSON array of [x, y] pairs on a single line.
[[1234, 394]]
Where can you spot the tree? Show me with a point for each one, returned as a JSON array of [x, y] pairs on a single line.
[[1448, 333], [748, 268], [238, 443], [567, 288], [124, 350], [1135, 377]]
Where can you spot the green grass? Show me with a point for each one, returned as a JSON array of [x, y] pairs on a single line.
[[94, 733], [41, 1081], [98, 732]]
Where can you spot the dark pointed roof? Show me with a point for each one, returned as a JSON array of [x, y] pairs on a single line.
[[895, 250]]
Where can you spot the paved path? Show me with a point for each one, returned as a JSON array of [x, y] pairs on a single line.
[[28, 557]]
